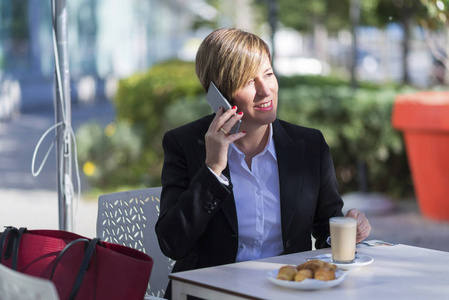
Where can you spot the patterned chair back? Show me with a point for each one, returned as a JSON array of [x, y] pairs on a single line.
[[128, 218]]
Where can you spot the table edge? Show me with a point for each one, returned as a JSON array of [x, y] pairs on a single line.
[[210, 287]]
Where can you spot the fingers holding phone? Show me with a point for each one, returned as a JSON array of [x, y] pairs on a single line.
[[230, 121], [216, 101], [219, 137]]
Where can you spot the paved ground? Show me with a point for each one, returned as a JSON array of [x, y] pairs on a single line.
[[402, 223], [32, 201]]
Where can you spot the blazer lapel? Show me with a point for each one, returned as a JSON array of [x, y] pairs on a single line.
[[290, 156]]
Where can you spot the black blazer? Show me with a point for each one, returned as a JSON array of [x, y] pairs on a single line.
[[197, 225]]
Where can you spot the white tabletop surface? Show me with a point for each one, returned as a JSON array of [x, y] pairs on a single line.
[[397, 272]]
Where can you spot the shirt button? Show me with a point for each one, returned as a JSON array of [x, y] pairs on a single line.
[[288, 243]]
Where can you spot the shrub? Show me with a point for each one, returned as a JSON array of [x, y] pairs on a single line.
[[143, 100], [357, 127], [110, 156]]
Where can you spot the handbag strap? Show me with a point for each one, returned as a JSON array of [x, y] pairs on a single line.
[[15, 250], [9, 230], [3, 238], [84, 266], [67, 247]]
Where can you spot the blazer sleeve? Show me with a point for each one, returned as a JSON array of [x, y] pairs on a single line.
[[329, 202], [191, 196]]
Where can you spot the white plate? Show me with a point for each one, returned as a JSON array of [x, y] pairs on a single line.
[[307, 284], [360, 261]]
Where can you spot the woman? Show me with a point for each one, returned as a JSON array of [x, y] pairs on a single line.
[[257, 193]]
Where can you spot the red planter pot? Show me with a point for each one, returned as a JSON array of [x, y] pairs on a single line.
[[424, 120]]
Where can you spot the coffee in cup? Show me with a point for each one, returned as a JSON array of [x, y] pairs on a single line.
[[343, 239]]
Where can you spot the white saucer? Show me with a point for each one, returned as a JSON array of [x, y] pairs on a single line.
[[360, 261], [307, 284]]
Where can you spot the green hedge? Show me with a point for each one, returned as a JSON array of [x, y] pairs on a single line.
[[109, 157], [143, 100], [357, 127], [356, 124]]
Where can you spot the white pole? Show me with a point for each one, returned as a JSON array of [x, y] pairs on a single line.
[[63, 114]]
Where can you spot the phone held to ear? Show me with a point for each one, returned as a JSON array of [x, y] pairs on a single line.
[[217, 100]]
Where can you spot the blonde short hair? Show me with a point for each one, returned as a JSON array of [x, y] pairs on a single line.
[[230, 57]]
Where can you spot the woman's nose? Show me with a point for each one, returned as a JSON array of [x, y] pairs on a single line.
[[263, 88]]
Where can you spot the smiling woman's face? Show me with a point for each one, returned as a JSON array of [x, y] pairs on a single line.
[[258, 99]]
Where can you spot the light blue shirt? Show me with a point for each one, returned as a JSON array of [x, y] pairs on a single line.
[[256, 194]]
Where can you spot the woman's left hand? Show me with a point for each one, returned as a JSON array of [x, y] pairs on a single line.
[[363, 225]]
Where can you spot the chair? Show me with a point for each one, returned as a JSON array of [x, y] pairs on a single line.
[[19, 286], [128, 218]]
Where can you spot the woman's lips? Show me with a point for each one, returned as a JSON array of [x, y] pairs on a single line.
[[265, 106]]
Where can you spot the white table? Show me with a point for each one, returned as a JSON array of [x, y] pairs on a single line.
[[397, 272]]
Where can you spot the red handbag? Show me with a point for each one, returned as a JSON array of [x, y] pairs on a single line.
[[80, 268]]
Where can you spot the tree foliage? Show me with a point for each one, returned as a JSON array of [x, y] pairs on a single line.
[[399, 11], [14, 19], [303, 15], [143, 99], [437, 13]]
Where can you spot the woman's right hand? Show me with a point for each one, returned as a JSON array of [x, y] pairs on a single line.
[[218, 138]]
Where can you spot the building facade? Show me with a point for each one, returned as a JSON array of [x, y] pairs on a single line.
[[107, 40]]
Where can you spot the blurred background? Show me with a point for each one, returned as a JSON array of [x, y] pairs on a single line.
[[340, 65], [397, 41]]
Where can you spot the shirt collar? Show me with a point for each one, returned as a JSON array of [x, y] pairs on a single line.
[[269, 147]]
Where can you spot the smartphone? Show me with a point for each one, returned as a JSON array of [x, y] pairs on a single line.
[[216, 99]]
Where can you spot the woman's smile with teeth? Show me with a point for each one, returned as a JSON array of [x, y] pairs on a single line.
[[264, 105]]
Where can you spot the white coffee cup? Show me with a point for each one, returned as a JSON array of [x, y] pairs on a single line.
[[343, 239]]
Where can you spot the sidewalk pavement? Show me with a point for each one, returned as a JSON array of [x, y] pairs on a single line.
[[27, 201], [38, 209]]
